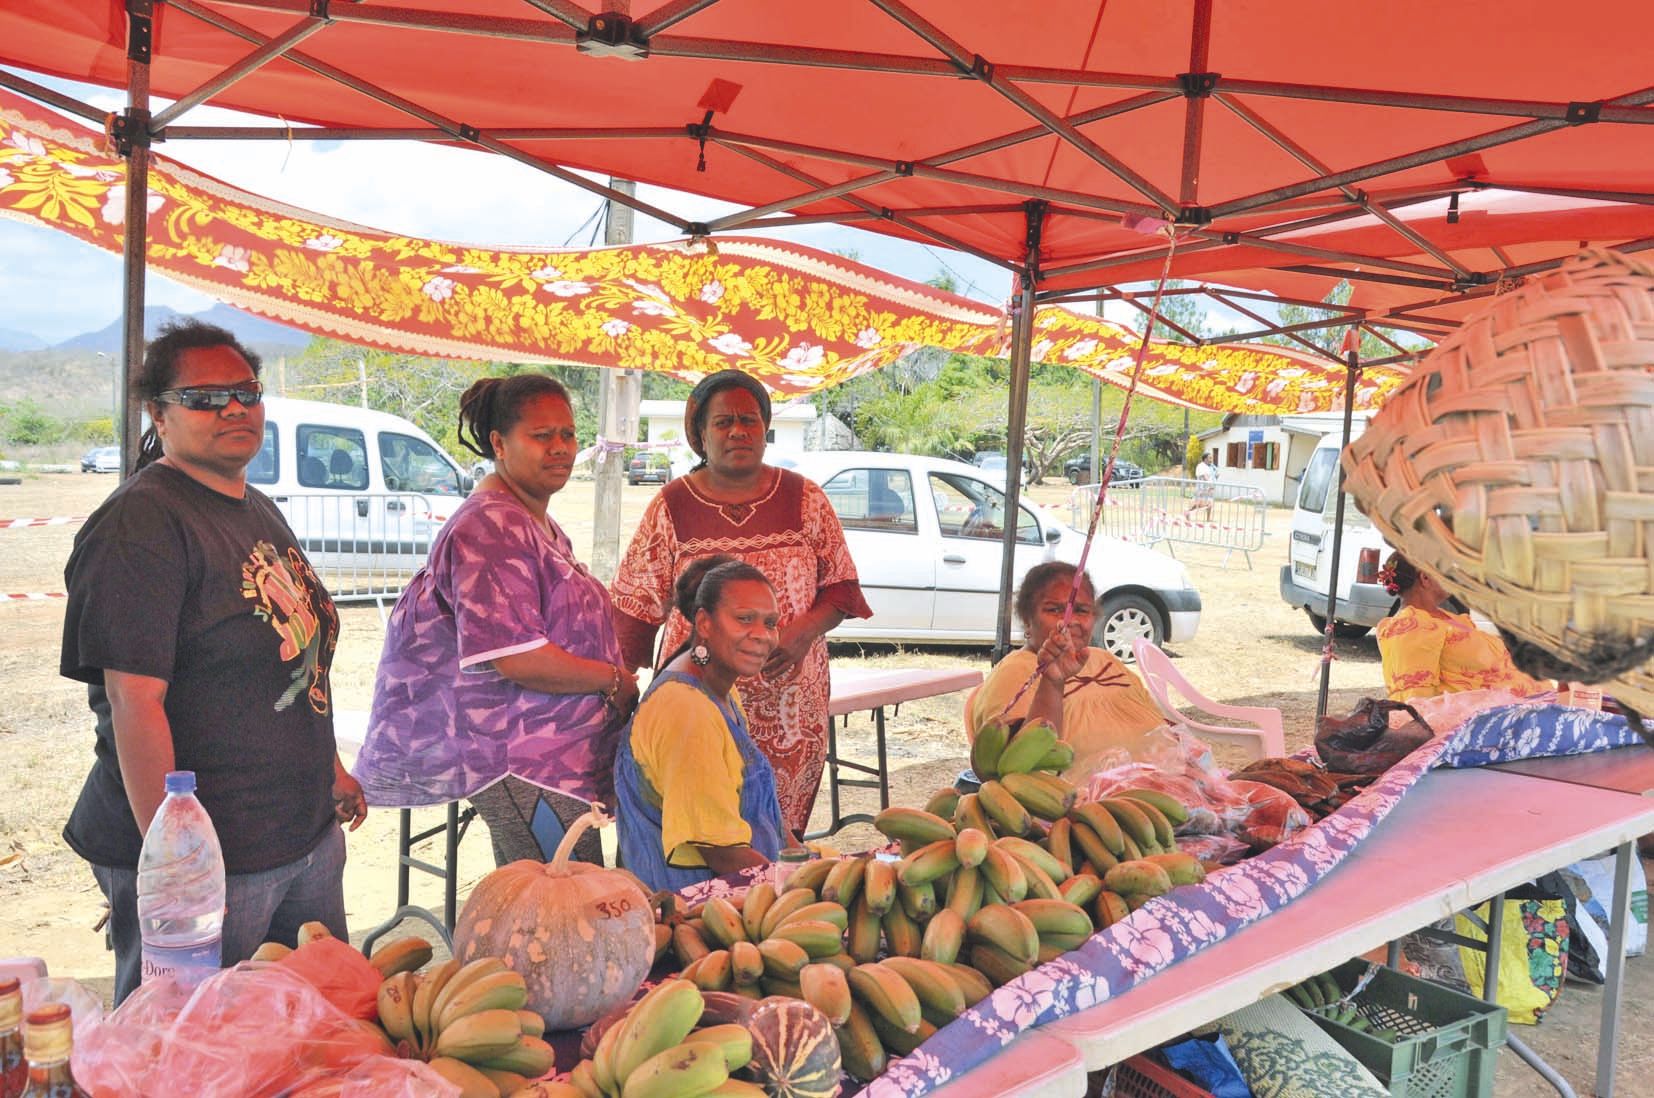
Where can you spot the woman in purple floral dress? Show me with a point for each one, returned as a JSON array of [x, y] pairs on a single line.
[[501, 679]]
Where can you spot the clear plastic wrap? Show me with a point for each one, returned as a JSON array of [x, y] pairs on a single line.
[[1257, 814], [85, 1008], [255, 1031]]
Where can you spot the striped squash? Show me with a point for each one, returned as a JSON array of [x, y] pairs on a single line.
[[794, 1051]]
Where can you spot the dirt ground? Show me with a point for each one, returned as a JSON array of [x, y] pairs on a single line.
[[1251, 649]]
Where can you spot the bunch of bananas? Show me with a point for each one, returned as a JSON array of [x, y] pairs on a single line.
[[656, 1051], [468, 1022]]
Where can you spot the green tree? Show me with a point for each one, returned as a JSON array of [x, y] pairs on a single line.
[[26, 423], [1192, 453]]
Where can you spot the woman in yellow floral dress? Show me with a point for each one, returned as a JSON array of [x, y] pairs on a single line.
[[1427, 650]]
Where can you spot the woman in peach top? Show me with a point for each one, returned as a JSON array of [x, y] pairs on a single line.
[[1427, 650]]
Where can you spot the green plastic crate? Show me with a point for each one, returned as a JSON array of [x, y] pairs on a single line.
[[1445, 1043]]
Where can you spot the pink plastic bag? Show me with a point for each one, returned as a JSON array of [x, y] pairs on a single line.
[[338, 970], [255, 1030]]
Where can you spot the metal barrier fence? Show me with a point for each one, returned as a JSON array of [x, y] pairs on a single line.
[[363, 545], [1174, 509]]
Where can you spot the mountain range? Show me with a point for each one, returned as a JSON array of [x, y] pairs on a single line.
[[246, 327]]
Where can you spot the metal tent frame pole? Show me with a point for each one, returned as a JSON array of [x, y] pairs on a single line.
[[1352, 370], [1022, 342], [131, 132]]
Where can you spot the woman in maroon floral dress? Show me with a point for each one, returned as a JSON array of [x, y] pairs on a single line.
[[775, 520]]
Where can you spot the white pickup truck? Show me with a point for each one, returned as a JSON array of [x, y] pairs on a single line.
[[926, 536]]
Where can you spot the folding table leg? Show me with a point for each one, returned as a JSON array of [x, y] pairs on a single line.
[[450, 864], [1495, 934], [1609, 1031], [884, 770], [832, 771], [404, 847], [1392, 954]]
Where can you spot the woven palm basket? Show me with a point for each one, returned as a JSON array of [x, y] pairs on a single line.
[[1517, 465]]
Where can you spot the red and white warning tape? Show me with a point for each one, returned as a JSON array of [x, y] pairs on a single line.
[[34, 596], [26, 523]]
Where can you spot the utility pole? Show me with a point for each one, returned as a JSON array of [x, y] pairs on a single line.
[[617, 411]]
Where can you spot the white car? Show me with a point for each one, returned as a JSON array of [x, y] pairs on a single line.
[[925, 534]]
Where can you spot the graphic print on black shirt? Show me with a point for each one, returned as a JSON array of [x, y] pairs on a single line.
[[283, 590]]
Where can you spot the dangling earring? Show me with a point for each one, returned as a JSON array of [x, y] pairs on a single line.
[[699, 655]]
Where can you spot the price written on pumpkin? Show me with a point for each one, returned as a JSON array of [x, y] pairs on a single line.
[[613, 909]]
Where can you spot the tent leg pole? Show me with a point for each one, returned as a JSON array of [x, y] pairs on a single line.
[[133, 140], [1022, 339], [1352, 370]]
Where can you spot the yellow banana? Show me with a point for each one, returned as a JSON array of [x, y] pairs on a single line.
[[812, 874], [430, 985], [723, 923], [1056, 917], [1004, 875], [878, 886], [736, 1088], [943, 936], [682, 1071], [753, 909], [471, 1082], [845, 881], [784, 905], [408, 954], [480, 1036], [783, 959], [396, 1006], [530, 1057], [860, 1050], [603, 1062], [940, 998], [886, 995], [467, 974], [965, 892], [745, 962], [533, 1025], [1109, 908], [826, 988], [943, 802], [496, 991], [970, 813], [929, 862], [661, 1019], [714, 972], [1005, 928], [1103, 825], [997, 966], [901, 933], [585, 1080]]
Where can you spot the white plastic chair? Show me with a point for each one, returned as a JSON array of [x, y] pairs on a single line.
[[1267, 740]]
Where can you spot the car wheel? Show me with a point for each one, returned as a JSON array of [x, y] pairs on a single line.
[[1121, 620], [1076, 476], [1343, 630]]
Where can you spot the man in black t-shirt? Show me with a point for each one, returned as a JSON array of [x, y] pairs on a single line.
[[206, 639]]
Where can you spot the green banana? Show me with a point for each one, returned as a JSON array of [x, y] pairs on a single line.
[[1108, 909], [1056, 917], [919, 901], [1133, 821], [826, 988], [1058, 759], [1096, 853], [912, 824], [940, 998], [1006, 928], [783, 959], [1006, 812], [733, 1038], [997, 966], [1169, 806], [785, 904], [1027, 748], [480, 1036], [860, 1050], [818, 937], [901, 933], [971, 846], [929, 862], [811, 874], [396, 997], [987, 748], [899, 1042], [533, 1025], [861, 941], [403, 955], [724, 926], [661, 1019], [823, 911], [970, 813], [975, 985], [746, 964], [1003, 874], [1138, 877], [844, 882], [1081, 888], [1034, 854], [1183, 869], [466, 974], [943, 802], [530, 1057], [1102, 824], [1059, 841], [470, 1082], [964, 893], [684, 1070], [495, 991]]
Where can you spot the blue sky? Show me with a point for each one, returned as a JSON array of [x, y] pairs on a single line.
[[55, 287]]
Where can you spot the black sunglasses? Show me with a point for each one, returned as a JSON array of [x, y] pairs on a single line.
[[213, 398]]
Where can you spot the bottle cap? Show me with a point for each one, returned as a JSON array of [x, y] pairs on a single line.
[[795, 854], [48, 1034], [180, 781]]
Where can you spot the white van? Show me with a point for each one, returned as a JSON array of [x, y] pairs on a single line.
[[1362, 601], [364, 491]]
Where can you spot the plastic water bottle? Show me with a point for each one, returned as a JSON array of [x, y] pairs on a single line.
[[181, 888]]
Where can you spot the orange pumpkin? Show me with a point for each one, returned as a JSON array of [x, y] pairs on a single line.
[[581, 936]]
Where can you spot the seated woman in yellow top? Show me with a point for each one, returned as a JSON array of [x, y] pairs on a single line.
[[695, 796], [1096, 704], [1427, 650]]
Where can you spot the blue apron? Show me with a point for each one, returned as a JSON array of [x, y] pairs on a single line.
[[639, 821]]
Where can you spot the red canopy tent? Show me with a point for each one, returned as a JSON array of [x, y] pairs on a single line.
[[1043, 138]]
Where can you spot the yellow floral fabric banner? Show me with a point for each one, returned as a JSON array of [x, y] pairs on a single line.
[[798, 319]]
